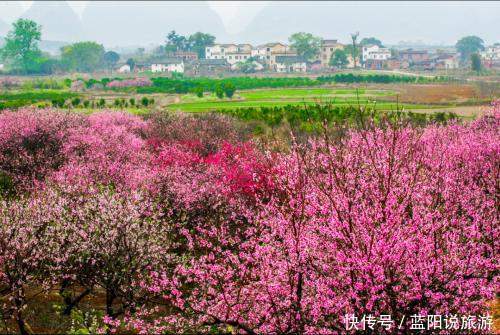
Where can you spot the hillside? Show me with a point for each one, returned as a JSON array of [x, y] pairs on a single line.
[[59, 22], [338, 20]]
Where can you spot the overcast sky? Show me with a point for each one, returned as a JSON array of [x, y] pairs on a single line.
[[260, 21], [234, 14]]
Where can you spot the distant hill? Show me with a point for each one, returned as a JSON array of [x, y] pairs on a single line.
[[147, 22], [52, 47], [59, 22], [390, 22]]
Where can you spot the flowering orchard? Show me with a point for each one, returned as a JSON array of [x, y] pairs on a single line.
[[137, 82], [183, 224]]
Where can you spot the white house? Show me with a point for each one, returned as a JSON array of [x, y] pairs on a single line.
[[1, 66], [124, 68], [268, 52], [492, 53], [374, 52], [174, 65], [290, 64], [233, 53], [236, 57]]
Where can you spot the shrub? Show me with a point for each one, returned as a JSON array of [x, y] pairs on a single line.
[[219, 91], [75, 102], [229, 89], [198, 91]]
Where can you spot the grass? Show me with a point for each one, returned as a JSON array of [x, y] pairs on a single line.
[[284, 97], [25, 98]]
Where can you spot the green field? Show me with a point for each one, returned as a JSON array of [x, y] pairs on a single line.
[[283, 97]]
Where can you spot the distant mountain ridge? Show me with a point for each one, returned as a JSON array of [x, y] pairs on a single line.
[[149, 22], [58, 20], [128, 24], [390, 22]]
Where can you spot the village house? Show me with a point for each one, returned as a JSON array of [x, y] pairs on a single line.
[[446, 61], [210, 66], [491, 56], [1, 66], [395, 63], [223, 51], [122, 68], [237, 57], [414, 56], [290, 64], [427, 65], [326, 51], [375, 64], [375, 53], [168, 65], [142, 67], [268, 52], [186, 56]]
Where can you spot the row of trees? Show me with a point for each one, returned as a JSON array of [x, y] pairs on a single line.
[[308, 46], [196, 42], [22, 52]]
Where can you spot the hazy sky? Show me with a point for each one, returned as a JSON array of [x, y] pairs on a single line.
[[234, 14], [261, 21]]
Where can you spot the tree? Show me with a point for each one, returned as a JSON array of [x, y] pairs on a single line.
[[176, 42], [475, 61], [21, 44], [219, 91], [371, 40], [339, 59], [131, 62], [248, 66], [469, 45], [229, 89], [111, 58], [354, 49], [199, 41], [83, 56], [306, 44], [198, 90]]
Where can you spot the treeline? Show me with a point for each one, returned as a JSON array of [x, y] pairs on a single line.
[[22, 54], [312, 118], [191, 85]]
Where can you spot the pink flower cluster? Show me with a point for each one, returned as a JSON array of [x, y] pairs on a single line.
[[136, 82], [186, 231]]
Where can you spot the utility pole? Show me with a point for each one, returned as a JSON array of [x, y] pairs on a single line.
[[354, 54]]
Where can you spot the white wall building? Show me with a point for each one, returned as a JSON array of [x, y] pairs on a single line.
[[290, 64], [233, 53], [374, 52], [168, 66], [492, 52], [125, 68], [236, 57]]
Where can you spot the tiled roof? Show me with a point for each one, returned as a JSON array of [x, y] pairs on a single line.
[[212, 62], [290, 59]]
